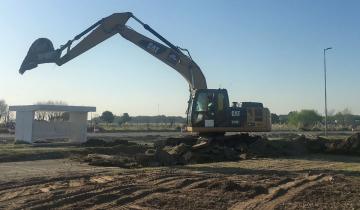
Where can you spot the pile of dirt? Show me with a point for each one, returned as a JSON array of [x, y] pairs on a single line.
[[349, 146], [200, 150], [170, 151], [112, 152], [111, 160], [192, 150]]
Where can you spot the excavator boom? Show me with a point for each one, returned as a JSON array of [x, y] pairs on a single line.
[[42, 50]]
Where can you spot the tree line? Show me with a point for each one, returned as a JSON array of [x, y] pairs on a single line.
[[303, 119], [308, 118], [5, 114], [109, 117]]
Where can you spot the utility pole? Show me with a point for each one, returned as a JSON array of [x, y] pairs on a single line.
[[329, 48]]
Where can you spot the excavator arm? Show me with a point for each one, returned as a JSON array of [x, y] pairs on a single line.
[[42, 50]]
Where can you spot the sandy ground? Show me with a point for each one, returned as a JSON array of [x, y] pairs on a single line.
[[14, 171], [315, 182]]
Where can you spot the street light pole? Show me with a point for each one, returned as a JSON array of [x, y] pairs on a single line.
[[329, 48]]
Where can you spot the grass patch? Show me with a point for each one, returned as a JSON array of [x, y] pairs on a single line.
[[24, 152], [139, 128]]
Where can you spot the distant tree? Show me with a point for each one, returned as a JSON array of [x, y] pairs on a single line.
[[293, 118], [171, 121], [96, 119], [124, 119], [305, 118], [157, 119], [3, 109], [348, 117], [345, 118], [52, 116], [107, 117], [346, 111], [9, 117], [275, 118]]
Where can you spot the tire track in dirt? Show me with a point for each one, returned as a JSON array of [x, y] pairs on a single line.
[[91, 188], [281, 193], [114, 198], [157, 189], [89, 191], [166, 184], [106, 196], [49, 191]]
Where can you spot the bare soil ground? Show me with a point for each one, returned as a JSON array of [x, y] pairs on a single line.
[[314, 181]]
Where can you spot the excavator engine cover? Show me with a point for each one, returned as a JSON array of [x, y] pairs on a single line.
[[41, 51]]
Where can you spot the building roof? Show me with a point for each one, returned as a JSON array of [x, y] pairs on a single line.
[[56, 108]]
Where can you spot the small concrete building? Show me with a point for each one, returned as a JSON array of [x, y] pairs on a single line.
[[29, 130]]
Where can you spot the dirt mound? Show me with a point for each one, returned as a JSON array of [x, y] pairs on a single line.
[[192, 150], [352, 144], [111, 160], [113, 152], [184, 150], [349, 146], [173, 141]]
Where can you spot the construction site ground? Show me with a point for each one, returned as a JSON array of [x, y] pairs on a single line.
[[53, 176]]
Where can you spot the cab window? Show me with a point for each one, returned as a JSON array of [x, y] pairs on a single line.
[[220, 102], [202, 102]]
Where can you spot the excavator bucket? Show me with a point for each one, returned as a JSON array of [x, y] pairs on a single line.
[[41, 51]]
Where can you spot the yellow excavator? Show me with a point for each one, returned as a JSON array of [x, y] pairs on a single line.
[[209, 111]]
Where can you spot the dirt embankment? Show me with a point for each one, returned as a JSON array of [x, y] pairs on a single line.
[[191, 150], [155, 151]]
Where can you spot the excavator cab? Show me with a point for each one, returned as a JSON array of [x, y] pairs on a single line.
[[209, 113], [208, 108]]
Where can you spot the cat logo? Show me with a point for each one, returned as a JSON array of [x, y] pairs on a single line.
[[235, 113], [152, 47], [173, 58]]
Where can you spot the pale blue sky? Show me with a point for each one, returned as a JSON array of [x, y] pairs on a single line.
[[267, 51]]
